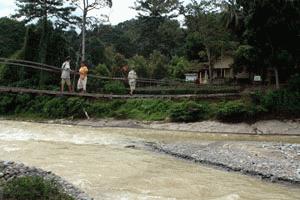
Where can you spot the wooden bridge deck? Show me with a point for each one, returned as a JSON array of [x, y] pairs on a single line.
[[112, 96]]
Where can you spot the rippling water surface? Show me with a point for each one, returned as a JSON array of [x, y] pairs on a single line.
[[96, 160]]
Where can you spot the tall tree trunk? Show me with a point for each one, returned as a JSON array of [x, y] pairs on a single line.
[[43, 44], [76, 68], [209, 64], [83, 30], [276, 78]]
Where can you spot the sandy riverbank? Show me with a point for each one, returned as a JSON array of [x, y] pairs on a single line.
[[273, 127]]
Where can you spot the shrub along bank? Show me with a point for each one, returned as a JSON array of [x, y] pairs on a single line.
[[283, 103], [32, 187]]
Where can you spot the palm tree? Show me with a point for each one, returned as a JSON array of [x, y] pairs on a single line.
[[232, 15]]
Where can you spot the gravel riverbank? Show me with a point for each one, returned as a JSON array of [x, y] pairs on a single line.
[[273, 161], [11, 170]]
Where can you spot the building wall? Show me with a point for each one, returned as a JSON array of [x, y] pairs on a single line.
[[224, 63]]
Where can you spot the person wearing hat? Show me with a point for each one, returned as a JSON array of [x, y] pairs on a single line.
[[132, 76], [65, 75]]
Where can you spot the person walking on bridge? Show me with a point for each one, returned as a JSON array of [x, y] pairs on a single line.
[[65, 75], [132, 76], [83, 71]]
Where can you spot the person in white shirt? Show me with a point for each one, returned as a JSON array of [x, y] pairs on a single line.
[[132, 76], [65, 75]]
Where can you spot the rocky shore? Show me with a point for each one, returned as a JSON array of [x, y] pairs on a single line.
[[273, 161], [11, 170]]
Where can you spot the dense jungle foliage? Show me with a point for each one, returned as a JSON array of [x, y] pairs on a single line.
[[259, 34]]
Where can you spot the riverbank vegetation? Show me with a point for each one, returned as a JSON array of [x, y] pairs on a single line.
[[259, 105], [32, 188]]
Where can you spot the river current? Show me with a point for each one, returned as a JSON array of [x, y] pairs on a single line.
[[98, 162]]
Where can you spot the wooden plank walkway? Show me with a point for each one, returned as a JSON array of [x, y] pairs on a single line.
[[112, 96]]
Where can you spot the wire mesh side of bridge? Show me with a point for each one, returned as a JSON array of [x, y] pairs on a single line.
[[17, 77]]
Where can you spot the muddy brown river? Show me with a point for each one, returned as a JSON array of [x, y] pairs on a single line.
[[96, 160]]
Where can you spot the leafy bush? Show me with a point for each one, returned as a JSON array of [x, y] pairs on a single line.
[[115, 87], [102, 70], [37, 103], [32, 188], [239, 111], [55, 108], [6, 104], [140, 65], [143, 109], [99, 109], [234, 111], [188, 90], [75, 107], [178, 67], [256, 97], [282, 102], [103, 108], [21, 102], [158, 64], [188, 112], [294, 83]]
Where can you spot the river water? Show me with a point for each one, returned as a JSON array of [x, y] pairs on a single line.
[[97, 161]]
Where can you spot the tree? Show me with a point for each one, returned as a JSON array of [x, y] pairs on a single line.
[[273, 28], [233, 16], [57, 51], [170, 38], [126, 37], [157, 8], [178, 67], [157, 30], [201, 19], [86, 6], [158, 65], [95, 50], [140, 65], [246, 56], [194, 48], [43, 10], [11, 36]]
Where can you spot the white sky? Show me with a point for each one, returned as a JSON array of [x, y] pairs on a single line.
[[120, 11]]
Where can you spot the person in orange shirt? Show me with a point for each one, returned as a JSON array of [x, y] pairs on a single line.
[[83, 71]]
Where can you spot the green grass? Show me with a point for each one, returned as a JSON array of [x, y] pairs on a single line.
[[192, 89]]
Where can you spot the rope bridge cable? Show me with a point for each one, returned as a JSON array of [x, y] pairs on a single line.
[[58, 70], [29, 66], [49, 68]]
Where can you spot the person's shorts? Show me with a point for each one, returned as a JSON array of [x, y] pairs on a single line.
[[132, 84], [66, 80], [82, 84]]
